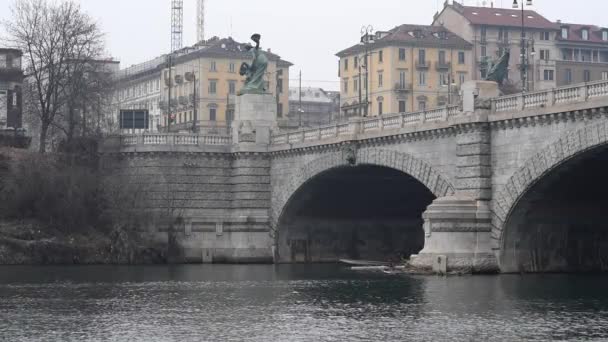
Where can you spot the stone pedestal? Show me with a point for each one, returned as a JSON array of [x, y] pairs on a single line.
[[476, 93], [254, 118], [458, 228]]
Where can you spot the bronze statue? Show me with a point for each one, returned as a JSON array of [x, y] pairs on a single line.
[[254, 73], [498, 71]]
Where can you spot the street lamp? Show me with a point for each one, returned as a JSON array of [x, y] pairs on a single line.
[[367, 38], [191, 77], [524, 58]]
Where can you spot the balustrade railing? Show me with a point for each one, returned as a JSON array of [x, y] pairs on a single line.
[[512, 103], [174, 139]]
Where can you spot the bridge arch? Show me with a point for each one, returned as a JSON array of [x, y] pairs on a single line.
[[541, 172], [379, 162]]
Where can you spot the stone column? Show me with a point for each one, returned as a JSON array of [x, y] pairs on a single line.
[[458, 227]]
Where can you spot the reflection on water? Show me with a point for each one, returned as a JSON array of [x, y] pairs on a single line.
[[292, 303]]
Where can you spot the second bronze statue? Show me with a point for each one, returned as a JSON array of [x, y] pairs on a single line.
[[254, 81]]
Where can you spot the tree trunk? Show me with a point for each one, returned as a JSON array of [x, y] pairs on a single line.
[[44, 129], [71, 125]]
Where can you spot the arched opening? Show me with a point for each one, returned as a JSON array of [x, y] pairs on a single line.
[[561, 223], [363, 212]]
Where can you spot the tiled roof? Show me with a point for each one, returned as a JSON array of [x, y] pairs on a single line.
[[309, 95], [575, 33], [505, 17], [227, 48], [419, 35]]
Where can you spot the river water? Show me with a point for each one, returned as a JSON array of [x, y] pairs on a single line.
[[293, 303]]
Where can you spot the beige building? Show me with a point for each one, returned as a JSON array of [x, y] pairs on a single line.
[[582, 53], [492, 31], [411, 67], [215, 66]]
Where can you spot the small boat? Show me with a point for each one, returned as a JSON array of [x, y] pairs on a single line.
[[364, 262]]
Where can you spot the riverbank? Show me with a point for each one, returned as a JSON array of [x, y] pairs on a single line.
[[30, 243]]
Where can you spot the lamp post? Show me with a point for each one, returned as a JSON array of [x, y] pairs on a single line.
[[366, 39], [523, 52], [191, 77]]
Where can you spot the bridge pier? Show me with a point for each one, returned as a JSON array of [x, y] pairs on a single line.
[[458, 228]]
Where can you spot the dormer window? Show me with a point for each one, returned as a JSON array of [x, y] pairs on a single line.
[[564, 32], [605, 35], [585, 34]]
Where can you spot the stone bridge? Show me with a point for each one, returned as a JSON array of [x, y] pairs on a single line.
[[516, 184]]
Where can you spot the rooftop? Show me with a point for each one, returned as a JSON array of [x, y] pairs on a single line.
[[415, 35], [504, 17], [309, 94], [575, 33]]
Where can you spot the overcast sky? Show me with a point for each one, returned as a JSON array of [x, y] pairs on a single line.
[[307, 33]]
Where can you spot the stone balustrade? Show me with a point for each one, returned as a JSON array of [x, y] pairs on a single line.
[[174, 139], [504, 104]]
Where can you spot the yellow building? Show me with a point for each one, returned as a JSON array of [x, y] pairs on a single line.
[[213, 68], [411, 67]]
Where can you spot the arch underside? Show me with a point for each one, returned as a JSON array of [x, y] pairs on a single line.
[[552, 214], [372, 210]]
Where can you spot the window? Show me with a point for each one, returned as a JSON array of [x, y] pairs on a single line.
[[585, 34], [564, 32], [380, 105], [356, 62], [364, 82], [484, 51], [232, 67], [231, 87], [345, 86], [380, 80], [503, 35], [212, 114], [422, 78], [604, 75], [605, 35], [568, 76], [213, 66], [545, 55], [401, 106], [355, 85], [280, 85], [461, 77], [421, 105], [14, 99], [345, 63], [401, 54], [548, 75], [421, 56], [443, 79], [212, 87], [587, 75], [441, 57], [402, 76], [544, 36], [157, 85], [380, 56], [461, 57], [280, 110]]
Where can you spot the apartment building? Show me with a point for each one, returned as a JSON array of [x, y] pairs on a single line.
[[11, 79], [582, 53], [409, 68], [212, 68], [492, 31]]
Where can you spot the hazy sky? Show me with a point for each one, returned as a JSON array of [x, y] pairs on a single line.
[[307, 33]]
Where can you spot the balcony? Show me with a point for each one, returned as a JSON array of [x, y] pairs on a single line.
[[443, 66], [422, 64], [183, 100], [402, 87]]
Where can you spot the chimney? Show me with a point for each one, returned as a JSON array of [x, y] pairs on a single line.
[[559, 21]]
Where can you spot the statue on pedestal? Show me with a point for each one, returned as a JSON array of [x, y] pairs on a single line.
[[254, 81]]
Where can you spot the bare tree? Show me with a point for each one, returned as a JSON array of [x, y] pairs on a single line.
[[58, 41]]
